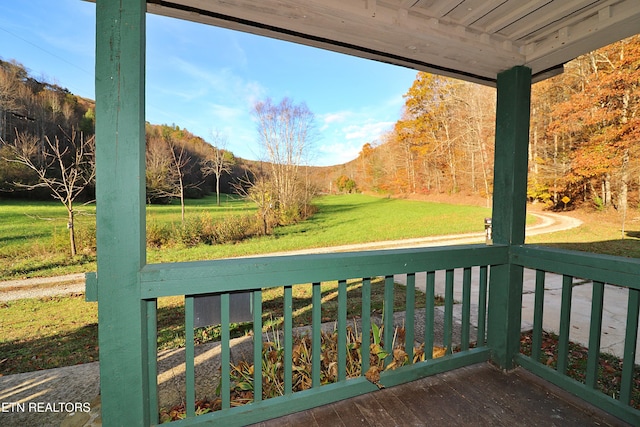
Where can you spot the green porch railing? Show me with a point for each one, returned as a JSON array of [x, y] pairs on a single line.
[[601, 270], [256, 275]]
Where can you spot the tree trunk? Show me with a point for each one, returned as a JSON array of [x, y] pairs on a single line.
[[72, 234], [624, 189], [217, 189]]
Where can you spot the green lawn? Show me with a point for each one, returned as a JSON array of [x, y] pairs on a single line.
[[34, 239]]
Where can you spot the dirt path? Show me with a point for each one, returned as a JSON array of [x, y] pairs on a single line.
[[74, 283]]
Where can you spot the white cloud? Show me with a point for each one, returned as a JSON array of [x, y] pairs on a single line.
[[366, 132]]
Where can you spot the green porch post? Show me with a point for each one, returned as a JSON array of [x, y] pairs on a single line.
[[509, 210], [120, 194]]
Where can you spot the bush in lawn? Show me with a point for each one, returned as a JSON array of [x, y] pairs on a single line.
[[189, 233], [235, 228], [158, 235], [202, 229]]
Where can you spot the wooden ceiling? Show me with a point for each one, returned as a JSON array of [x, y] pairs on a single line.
[[469, 39]]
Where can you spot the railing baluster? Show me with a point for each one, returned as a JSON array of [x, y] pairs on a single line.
[[225, 337], [482, 307], [565, 322], [257, 345], [316, 336], [388, 317], [342, 330], [466, 308], [595, 332], [448, 312], [288, 340], [410, 315], [189, 354], [152, 357], [366, 324], [429, 314], [630, 342], [538, 311]]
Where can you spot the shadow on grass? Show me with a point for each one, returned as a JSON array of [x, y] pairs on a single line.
[[81, 345], [64, 349]]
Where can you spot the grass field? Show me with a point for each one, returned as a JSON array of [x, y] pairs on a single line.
[[34, 239], [61, 331]]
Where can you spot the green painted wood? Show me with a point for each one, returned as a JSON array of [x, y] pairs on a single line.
[[316, 336], [189, 355], [410, 314], [387, 314], [538, 312], [283, 405], [152, 357], [120, 215], [279, 406], [565, 324], [482, 306], [91, 287], [630, 342], [511, 156], [509, 210], [448, 311], [257, 345], [225, 352], [595, 333], [288, 340], [584, 392], [466, 308], [342, 330], [265, 272], [429, 314], [366, 324], [603, 268]]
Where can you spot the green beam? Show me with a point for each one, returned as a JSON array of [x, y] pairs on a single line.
[[120, 188], [509, 210]]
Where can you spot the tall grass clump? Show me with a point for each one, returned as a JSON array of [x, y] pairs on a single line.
[[202, 229]]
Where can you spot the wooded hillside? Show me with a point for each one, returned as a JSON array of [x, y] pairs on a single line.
[[29, 107], [36, 111], [584, 145]]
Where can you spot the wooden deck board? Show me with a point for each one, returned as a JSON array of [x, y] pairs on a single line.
[[478, 395]]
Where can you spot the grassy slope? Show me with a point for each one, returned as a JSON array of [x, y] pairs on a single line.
[[34, 238], [347, 219]]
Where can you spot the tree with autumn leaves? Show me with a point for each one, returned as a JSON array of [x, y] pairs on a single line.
[[585, 129], [598, 123], [441, 144]]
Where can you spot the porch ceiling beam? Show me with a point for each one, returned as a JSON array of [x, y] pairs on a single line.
[[469, 39]]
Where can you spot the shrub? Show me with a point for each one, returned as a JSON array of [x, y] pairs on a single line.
[[202, 229], [189, 232], [235, 228], [158, 235]]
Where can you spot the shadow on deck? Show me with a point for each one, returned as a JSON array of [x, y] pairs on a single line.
[[478, 395]]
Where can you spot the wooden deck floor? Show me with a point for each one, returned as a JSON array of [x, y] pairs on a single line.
[[478, 395]]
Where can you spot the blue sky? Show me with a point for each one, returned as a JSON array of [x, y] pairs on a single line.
[[206, 79]]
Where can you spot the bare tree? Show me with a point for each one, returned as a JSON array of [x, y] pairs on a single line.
[[260, 191], [218, 162], [286, 134], [168, 162], [66, 171]]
